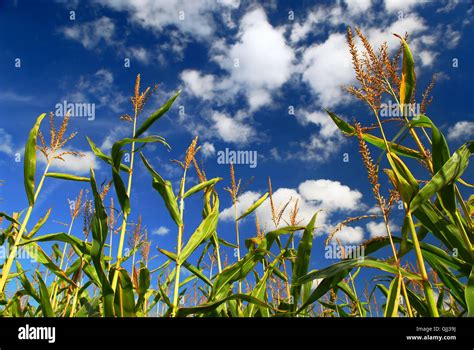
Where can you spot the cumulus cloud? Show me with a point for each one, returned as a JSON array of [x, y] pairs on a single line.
[[246, 199], [199, 85], [72, 164], [349, 234], [309, 202], [377, 229], [91, 34], [461, 131], [259, 62], [208, 149], [161, 231], [231, 129], [193, 18]]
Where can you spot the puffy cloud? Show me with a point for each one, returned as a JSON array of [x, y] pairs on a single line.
[[330, 194], [349, 234], [91, 34], [377, 229], [357, 7], [259, 62], [309, 202], [193, 18], [403, 5], [208, 149], [461, 131], [73, 164], [161, 231], [198, 84], [326, 67], [231, 129], [245, 201]]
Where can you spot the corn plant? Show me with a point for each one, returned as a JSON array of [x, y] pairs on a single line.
[[270, 276]]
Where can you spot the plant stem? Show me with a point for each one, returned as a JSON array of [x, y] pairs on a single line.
[[123, 228], [237, 239], [178, 247], [424, 275], [11, 256]]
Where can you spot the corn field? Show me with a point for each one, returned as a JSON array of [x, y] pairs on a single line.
[[425, 271]]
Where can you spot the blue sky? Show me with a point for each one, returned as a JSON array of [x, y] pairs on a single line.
[[254, 77]]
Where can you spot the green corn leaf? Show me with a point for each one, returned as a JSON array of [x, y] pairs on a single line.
[[124, 302], [30, 161], [323, 287], [202, 233], [449, 172], [349, 130], [406, 183], [201, 186], [253, 206], [469, 294], [25, 283], [39, 224], [117, 154], [352, 263], [68, 177], [83, 247], [9, 218], [156, 115], [212, 306], [408, 81], [104, 157], [165, 189], [38, 254], [99, 236], [233, 273], [303, 257], [45, 300], [393, 300]]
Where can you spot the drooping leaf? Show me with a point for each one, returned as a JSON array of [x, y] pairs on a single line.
[[104, 157], [165, 189]]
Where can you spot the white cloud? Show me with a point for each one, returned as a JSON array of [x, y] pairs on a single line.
[[140, 53], [208, 149], [259, 63], [461, 131], [349, 234], [231, 129], [403, 5], [357, 7], [326, 67], [309, 202], [6, 144], [377, 229], [114, 134], [330, 194], [72, 164], [199, 85], [161, 231], [245, 201], [91, 34], [193, 18]]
